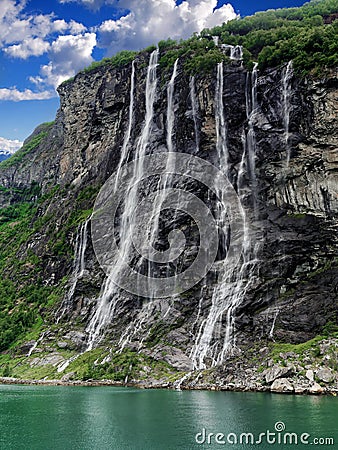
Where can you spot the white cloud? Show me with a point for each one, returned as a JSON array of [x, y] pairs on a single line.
[[76, 27], [68, 54], [13, 94], [23, 35], [9, 146], [152, 20], [29, 47], [92, 4], [69, 45]]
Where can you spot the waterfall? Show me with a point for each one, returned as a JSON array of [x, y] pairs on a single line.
[[78, 266], [273, 324], [34, 346], [221, 128], [287, 90], [154, 228], [201, 348], [79, 263], [235, 52], [63, 366], [194, 107], [107, 301], [235, 277], [251, 111], [170, 108], [127, 135]]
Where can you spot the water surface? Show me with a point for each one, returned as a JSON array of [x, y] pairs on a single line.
[[100, 418]]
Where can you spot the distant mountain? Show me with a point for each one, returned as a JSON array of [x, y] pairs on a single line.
[[4, 154], [8, 148]]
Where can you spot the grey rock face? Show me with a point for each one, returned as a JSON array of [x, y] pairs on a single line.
[[277, 372], [293, 293], [324, 374], [309, 375], [316, 389], [282, 385]]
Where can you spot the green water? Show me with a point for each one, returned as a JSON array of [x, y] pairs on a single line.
[[99, 418]]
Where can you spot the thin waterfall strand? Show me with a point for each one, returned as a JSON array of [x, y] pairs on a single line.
[[287, 90], [78, 267], [194, 107], [127, 136]]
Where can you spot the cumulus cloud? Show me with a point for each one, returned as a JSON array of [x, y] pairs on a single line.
[[13, 94], [68, 54], [9, 146], [23, 35], [149, 21], [29, 47], [67, 44]]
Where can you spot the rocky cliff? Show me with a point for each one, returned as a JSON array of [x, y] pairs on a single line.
[[272, 133]]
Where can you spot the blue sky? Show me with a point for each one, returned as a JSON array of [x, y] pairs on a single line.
[[45, 42]]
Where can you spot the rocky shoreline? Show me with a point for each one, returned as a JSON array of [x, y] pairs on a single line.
[[282, 387], [308, 368]]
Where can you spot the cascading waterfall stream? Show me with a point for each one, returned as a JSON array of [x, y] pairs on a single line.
[[108, 298], [164, 182], [201, 348], [78, 267], [194, 107], [287, 90], [236, 53], [221, 127], [170, 108], [126, 141], [250, 140], [234, 281]]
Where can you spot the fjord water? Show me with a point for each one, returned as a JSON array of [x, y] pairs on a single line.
[[100, 418]]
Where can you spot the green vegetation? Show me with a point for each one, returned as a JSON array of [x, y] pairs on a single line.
[[120, 59], [22, 291], [308, 35], [25, 299], [298, 349], [125, 365], [199, 55]]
